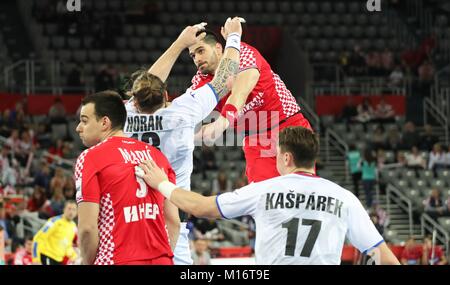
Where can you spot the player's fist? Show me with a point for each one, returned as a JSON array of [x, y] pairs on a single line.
[[232, 26], [188, 36]]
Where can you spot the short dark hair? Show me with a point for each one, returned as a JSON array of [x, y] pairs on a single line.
[[108, 104], [302, 143], [211, 38]]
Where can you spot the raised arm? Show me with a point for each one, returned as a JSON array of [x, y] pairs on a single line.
[[229, 63], [242, 86], [162, 67]]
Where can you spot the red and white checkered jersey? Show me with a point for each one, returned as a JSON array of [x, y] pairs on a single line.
[[131, 221], [269, 94]]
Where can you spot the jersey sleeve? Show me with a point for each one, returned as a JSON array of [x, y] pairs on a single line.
[[197, 81], [86, 180], [240, 202], [361, 231], [196, 103], [249, 58], [171, 175]]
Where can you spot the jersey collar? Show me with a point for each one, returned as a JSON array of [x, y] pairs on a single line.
[[303, 173]]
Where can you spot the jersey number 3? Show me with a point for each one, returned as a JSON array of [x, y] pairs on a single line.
[[292, 230]]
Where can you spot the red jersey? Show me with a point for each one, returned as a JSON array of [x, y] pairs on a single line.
[[131, 222], [269, 94], [412, 255]]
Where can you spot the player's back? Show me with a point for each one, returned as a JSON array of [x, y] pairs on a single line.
[[171, 129], [304, 219], [131, 219]]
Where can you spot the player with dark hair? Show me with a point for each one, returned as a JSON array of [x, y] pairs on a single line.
[[300, 217], [121, 220], [260, 105]]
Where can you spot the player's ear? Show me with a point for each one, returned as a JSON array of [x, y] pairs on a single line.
[[289, 159], [219, 48], [166, 96], [286, 158], [106, 123]]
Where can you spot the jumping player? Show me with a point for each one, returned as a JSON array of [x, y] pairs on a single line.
[[171, 127], [261, 105]]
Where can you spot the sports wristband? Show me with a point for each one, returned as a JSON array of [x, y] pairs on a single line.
[[166, 188], [234, 41], [230, 113]]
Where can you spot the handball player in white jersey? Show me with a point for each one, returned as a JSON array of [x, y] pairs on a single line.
[[300, 218], [170, 127]]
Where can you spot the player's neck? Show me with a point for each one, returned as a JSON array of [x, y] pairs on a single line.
[[303, 170], [113, 133]]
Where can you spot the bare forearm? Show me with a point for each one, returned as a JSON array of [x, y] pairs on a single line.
[[172, 218], [243, 85], [228, 67], [174, 231], [382, 255], [387, 256], [88, 246], [195, 204], [162, 67]]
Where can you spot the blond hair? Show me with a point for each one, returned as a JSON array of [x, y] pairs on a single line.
[[148, 91]]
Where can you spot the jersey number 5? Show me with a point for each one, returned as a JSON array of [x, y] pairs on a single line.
[[141, 192], [292, 228]]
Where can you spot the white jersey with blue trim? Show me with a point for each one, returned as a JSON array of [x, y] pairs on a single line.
[[171, 129], [301, 219]]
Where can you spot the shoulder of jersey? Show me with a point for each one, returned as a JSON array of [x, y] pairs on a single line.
[[319, 180], [94, 149], [270, 181], [129, 105], [247, 47]]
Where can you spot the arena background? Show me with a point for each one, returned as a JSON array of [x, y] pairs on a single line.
[[332, 55]]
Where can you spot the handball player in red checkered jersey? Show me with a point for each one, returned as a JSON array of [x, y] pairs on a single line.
[[260, 97], [121, 220]]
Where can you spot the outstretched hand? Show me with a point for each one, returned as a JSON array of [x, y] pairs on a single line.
[[153, 175], [188, 36]]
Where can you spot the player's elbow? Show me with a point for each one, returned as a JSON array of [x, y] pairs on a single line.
[[173, 223], [86, 230]]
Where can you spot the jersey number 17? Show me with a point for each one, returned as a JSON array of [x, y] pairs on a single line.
[[292, 231]]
